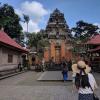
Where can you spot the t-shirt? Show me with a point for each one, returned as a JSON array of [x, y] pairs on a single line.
[[43, 61], [93, 84]]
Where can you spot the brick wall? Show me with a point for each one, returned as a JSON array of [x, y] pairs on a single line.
[[46, 54], [68, 54], [63, 47], [52, 50]]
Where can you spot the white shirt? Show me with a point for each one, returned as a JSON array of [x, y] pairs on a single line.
[[43, 61], [92, 83]]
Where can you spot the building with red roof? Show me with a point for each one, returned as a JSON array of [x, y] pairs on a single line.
[[93, 50], [94, 43], [97, 49], [94, 40], [10, 52]]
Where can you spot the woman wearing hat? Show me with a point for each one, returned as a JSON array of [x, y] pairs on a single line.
[[84, 80]]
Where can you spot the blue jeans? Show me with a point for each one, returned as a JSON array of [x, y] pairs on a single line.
[[65, 76]]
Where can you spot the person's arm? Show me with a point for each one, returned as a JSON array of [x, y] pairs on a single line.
[[93, 82], [73, 77]]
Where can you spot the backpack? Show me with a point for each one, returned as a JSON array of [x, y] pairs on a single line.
[[81, 81]]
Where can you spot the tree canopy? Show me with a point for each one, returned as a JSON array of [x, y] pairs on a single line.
[[37, 40], [84, 30], [9, 20], [26, 18]]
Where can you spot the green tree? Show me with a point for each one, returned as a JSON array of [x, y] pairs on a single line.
[[37, 40], [83, 30], [31, 37], [9, 20]]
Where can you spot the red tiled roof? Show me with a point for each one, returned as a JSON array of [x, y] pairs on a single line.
[[95, 49], [94, 40], [4, 38]]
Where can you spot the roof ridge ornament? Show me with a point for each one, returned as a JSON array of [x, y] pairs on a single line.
[[56, 11]]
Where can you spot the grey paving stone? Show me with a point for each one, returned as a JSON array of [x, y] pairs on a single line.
[[26, 87], [53, 76]]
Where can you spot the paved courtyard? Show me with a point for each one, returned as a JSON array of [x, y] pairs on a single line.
[[26, 87], [54, 76]]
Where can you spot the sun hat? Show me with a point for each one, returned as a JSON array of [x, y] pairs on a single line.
[[80, 65]]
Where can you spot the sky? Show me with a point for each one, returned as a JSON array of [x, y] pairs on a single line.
[[39, 11]]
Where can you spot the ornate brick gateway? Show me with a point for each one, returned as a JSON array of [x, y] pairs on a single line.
[[59, 38]]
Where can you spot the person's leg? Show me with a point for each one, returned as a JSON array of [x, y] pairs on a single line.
[[65, 77]]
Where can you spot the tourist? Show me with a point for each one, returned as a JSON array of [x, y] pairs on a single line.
[[64, 61], [65, 71], [69, 64], [33, 60], [20, 66], [84, 81], [52, 64]]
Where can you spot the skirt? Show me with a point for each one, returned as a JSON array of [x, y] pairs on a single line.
[[85, 97]]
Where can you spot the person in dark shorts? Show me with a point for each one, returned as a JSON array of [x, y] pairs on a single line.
[[84, 80]]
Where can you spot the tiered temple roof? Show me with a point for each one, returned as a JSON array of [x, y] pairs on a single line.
[[57, 24]]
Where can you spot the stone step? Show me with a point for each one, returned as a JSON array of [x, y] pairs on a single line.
[[11, 74]]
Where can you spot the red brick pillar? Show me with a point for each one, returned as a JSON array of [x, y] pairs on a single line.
[[52, 49], [68, 54], [63, 49]]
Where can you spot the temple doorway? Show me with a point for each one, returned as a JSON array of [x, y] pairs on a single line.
[[57, 54]]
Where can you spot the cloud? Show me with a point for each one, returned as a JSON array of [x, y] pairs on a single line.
[[36, 11], [19, 12], [97, 24], [34, 8], [32, 27]]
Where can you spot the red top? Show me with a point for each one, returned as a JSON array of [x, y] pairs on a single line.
[[4, 38], [94, 40]]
